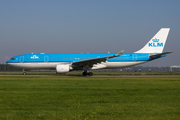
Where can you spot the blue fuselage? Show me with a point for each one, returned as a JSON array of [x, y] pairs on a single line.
[[71, 57], [50, 61]]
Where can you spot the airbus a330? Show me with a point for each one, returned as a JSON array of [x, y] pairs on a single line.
[[66, 62]]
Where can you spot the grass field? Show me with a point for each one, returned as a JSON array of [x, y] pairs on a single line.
[[79, 73], [85, 98]]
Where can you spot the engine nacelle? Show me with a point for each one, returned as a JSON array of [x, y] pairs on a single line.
[[62, 68]]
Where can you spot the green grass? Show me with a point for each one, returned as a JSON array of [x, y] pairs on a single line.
[[96, 73], [85, 98]]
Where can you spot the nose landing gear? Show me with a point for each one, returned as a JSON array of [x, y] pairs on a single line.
[[24, 72]]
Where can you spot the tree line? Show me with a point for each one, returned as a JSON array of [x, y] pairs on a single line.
[[5, 67]]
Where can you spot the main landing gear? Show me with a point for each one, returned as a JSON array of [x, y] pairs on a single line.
[[85, 73]]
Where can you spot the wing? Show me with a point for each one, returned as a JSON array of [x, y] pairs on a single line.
[[91, 62]]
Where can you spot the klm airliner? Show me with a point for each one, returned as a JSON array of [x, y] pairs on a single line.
[[66, 62]]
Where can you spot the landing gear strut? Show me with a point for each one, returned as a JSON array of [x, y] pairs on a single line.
[[24, 72], [85, 73]]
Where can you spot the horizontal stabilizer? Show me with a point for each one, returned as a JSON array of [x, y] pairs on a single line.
[[153, 56]]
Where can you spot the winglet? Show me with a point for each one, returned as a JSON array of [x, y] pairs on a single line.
[[120, 53]]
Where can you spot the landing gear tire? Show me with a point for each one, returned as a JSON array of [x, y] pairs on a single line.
[[84, 73], [24, 72], [87, 73], [90, 74]]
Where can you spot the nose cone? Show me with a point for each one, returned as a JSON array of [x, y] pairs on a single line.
[[7, 62], [11, 61]]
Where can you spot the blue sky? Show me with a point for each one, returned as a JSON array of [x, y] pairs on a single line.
[[72, 26]]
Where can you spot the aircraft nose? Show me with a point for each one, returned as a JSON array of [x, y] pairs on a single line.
[[7, 62]]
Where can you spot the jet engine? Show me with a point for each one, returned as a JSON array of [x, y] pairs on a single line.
[[62, 68]]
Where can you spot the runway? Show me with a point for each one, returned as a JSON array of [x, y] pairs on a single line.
[[95, 75]]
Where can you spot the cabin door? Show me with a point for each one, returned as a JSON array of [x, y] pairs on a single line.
[[46, 58], [134, 57], [22, 59]]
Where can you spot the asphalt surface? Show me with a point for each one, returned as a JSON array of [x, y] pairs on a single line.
[[96, 75]]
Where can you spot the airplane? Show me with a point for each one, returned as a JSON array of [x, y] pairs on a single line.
[[66, 62]]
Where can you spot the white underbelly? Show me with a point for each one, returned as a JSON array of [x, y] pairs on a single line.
[[35, 65], [49, 65], [111, 65]]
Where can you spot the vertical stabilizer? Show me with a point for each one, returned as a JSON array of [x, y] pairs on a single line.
[[157, 43]]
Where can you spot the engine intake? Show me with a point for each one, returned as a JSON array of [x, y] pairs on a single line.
[[62, 68]]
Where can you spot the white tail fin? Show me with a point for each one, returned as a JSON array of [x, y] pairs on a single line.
[[157, 43]]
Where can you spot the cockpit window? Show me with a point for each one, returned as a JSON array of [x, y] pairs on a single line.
[[12, 58]]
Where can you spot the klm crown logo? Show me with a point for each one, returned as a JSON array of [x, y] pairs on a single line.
[[155, 43], [34, 57], [155, 40]]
